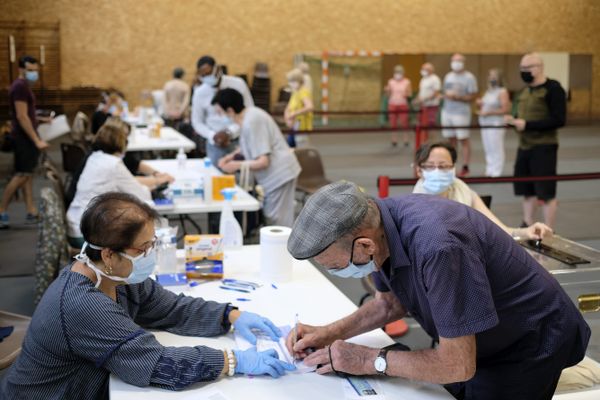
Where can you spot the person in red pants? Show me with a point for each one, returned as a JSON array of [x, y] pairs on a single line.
[[398, 90]]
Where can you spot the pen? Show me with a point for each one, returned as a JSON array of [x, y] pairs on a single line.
[[273, 286], [239, 285], [236, 289], [240, 282], [242, 299], [295, 337]]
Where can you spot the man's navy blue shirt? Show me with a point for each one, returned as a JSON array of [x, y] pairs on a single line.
[[458, 274]]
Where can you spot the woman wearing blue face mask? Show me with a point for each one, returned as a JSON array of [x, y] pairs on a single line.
[[435, 166], [92, 320]]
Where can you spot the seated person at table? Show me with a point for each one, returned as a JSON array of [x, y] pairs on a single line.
[[93, 318], [111, 105], [435, 165], [103, 172], [264, 149]]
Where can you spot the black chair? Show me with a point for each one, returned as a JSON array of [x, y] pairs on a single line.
[[487, 200], [72, 156]]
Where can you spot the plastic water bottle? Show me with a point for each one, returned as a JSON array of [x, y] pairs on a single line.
[[229, 228], [167, 255], [207, 180], [181, 158]]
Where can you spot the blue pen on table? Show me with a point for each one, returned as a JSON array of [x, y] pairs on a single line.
[[240, 282], [273, 286], [242, 299], [235, 289], [239, 285]]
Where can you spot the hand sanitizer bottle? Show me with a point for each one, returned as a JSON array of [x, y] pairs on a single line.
[[181, 158], [207, 180], [229, 228]]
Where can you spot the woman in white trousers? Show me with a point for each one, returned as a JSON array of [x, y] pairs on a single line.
[[494, 104]]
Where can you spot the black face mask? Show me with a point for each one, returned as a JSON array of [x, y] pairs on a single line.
[[527, 76]]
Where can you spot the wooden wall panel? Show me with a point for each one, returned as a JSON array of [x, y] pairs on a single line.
[[135, 44]]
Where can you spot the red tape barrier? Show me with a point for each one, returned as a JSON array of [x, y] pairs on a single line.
[[384, 182]]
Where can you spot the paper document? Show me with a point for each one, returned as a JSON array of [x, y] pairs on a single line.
[[264, 342], [51, 130], [211, 394]]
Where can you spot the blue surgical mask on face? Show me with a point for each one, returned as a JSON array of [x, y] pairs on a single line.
[[438, 181], [352, 270], [31, 76], [355, 271], [142, 266]]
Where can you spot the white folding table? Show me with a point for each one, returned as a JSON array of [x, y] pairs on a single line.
[[141, 139], [316, 300]]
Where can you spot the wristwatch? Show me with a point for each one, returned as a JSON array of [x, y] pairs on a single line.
[[381, 361]]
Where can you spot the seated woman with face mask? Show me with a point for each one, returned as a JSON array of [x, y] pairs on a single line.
[[92, 320], [435, 166]]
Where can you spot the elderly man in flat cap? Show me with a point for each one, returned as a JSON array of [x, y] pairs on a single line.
[[505, 327]]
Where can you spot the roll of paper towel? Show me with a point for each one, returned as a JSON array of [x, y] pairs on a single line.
[[276, 263]]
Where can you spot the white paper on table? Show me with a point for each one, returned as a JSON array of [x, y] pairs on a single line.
[[264, 342], [351, 394], [213, 394], [53, 129]]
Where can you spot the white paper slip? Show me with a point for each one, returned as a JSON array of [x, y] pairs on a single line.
[[359, 388], [51, 130], [264, 342], [208, 395]]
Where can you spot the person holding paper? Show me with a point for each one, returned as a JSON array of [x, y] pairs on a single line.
[[26, 141], [94, 319], [506, 328]]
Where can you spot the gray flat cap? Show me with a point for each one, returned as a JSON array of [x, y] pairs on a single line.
[[330, 213]]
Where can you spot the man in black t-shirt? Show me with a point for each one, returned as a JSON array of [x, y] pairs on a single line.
[[27, 143], [541, 110]]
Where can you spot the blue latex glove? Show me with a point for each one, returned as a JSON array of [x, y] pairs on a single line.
[[248, 321], [260, 363]]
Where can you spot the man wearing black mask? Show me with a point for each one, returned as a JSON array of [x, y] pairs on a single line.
[[541, 110]]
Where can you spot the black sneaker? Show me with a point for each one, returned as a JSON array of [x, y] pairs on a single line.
[[31, 219], [4, 221]]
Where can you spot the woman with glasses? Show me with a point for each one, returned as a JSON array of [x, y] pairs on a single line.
[[93, 319], [435, 167]]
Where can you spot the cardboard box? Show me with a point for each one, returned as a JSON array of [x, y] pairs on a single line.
[[221, 182], [203, 256]]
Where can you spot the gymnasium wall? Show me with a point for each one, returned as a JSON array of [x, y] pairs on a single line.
[[134, 44]]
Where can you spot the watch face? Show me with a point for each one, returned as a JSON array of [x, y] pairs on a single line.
[[380, 364]]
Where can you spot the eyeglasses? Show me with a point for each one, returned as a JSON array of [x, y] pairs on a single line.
[[148, 248], [441, 167]]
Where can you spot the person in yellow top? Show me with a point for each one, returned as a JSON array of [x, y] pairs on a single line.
[[298, 114]]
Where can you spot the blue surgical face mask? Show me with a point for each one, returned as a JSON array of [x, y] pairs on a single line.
[[142, 266], [438, 181], [355, 271], [31, 76], [352, 270]]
